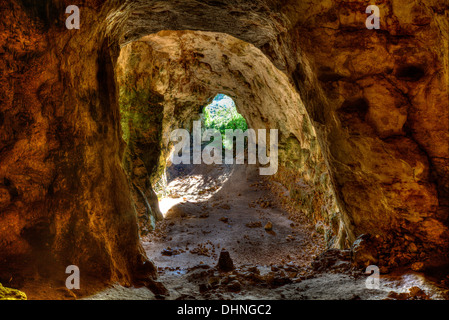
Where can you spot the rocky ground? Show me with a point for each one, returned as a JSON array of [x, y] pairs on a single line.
[[228, 208], [225, 237]]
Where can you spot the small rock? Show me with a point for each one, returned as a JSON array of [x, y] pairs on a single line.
[[254, 269], [167, 252], [278, 278], [417, 266], [234, 286], [224, 219], [201, 265], [412, 247], [269, 226], [225, 262], [392, 295], [199, 274], [417, 293], [256, 224], [214, 281], [157, 288]]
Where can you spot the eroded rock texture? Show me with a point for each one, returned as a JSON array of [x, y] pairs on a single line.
[[65, 197], [382, 113], [377, 100]]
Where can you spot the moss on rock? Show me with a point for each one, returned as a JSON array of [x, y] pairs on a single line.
[[11, 294]]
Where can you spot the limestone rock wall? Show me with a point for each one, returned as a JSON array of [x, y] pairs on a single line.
[[64, 195], [379, 101]]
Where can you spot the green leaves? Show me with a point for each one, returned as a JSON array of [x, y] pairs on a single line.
[[222, 114]]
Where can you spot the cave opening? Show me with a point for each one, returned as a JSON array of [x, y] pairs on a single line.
[[188, 177], [190, 211], [221, 114]]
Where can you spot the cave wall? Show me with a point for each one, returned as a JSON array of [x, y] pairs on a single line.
[[64, 196], [379, 101]]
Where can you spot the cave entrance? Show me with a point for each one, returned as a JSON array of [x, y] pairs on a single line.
[[221, 114], [197, 177], [205, 208], [210, 207]]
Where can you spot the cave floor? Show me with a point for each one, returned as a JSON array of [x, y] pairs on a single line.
[[211, 208], [228, 207]]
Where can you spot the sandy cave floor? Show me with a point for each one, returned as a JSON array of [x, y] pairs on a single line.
[[211, 208]]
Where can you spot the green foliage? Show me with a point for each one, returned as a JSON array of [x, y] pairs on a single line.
[[11, 294], [222, 114], [140, 111]]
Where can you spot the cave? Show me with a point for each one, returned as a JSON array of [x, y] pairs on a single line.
[[362, 149]]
